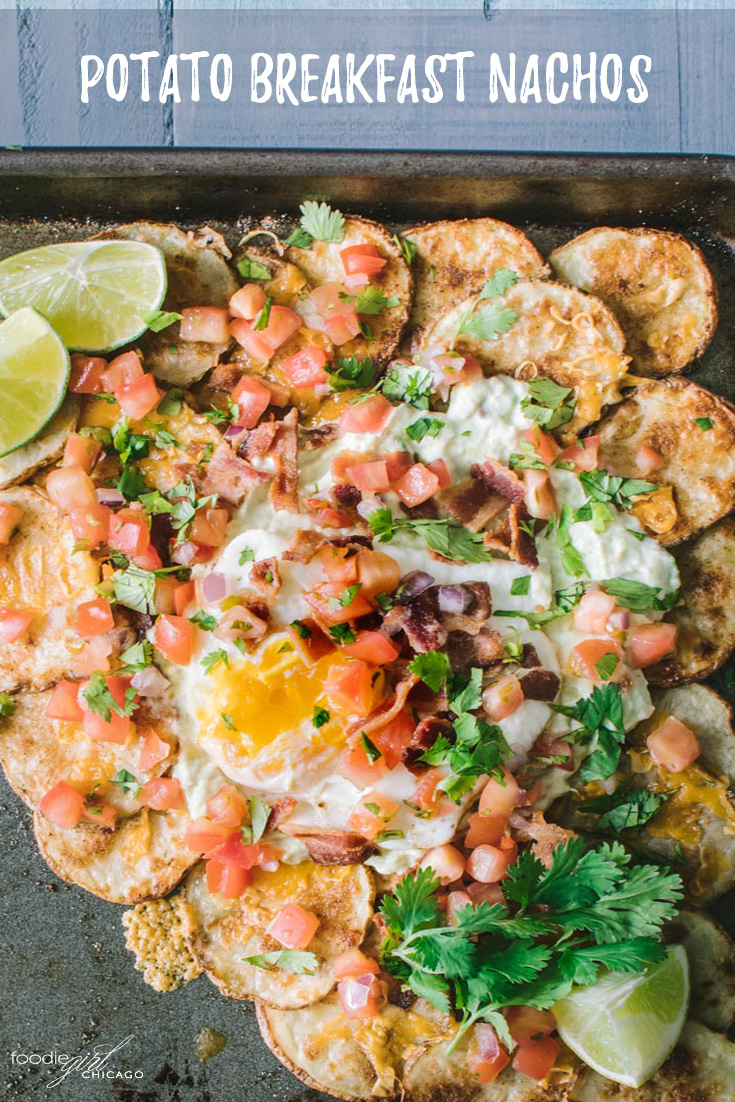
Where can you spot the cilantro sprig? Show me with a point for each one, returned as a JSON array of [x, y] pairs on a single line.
[[600, 485], [626, 808], [443, 536], [601, 724], [549, 404], [318, 223]]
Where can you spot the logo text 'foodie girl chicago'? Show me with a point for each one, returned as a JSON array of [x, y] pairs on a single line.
[[92, 1065]]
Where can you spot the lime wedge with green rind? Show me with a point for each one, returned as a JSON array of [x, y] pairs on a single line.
[[625, 1026], [34, 372], [96, 294]]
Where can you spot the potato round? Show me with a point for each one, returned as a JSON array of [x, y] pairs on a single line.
[[698, 463], [709, 716], [25, 461], [711, 954], [658, 285], [36, 752], [41, 573], [198, 275], [225, 931], [454, 259], [322, 263], [561, 332], [706, 616], [143, 858]]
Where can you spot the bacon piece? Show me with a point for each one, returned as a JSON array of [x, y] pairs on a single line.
[[512, 539], [472, 503], [228, 476], [284, 490], [484, 649], [423, 738], [501, 479], [346, 496], [265, 579], [386, 711], [427, 510], [224, 377], [259, 441], [281, 810], [546, 837], [304, 545], [313, 644], [540, 685], [421, 622], [338, 847], [530, 659], [476, 614], [319, 437]]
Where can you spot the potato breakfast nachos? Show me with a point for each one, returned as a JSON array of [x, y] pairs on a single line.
[[355, 590]]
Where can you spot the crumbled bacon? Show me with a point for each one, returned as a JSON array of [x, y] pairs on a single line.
[[472, 503], [346, 496], [546, 837], [387, 710], [284, 490], [427, 510], [540, 685], [265, 579], [421, 623], [476, 614], [304, 545], [319, 437], [513, 540], [257, 443], [423, 738], [224, 377], [281, 810], [338, 847], [530, 659], [501, 479], [311, 642], [228, 476], [484, 649]]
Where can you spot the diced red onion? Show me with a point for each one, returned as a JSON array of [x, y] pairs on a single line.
[[453, 598], [487, 1042], [94, 657], [368, 505], [321, 390], [108, 495], [411, 585], [619, 620], [485, 893], [356, 991], [214, 587], [232, 431], [150, 682]]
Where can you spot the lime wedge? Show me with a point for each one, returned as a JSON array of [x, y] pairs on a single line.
[[625, 1026], [34, 371], [96, 294]]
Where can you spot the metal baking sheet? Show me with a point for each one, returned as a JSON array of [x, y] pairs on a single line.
[[68, 982]]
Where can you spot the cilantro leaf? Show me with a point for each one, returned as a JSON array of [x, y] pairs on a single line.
[[297, 962], [425, 426], [215, 658], [413, 904], [637, 595], [600, 485], [519, 587], [261, 322], [487, 323], [100, 700], [252, 269], [135, 588], [407, 383], [549, 404], [704, 423], [498, 283], [161, 319], [371, 753], [406, 248], [371, 300], [125, 780], [320, 716], [351, 373], [432, 667], [172, 402], [450, 540], [259, 815], [321, 223], [626, 808], [601, 718], [204, 620]]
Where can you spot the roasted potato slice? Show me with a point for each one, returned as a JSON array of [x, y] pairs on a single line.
[[42, 574], [225, 931], [454, 259], [155, 932], [198, 275], [143, 858], [698, 459], [711, 719], [706, 616], [559, 331], [658, 285], [25, 461], [36, 752], [322, 263], [711, 954], [701, 1067]]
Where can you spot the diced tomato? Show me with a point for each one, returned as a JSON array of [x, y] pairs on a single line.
[[163, 794], [341, 328], [153, 751], [64, 704], [370, 415], [584, 659], [372, 814], [353, 962], [94, 617], [122, 371], [398, 463], [446, 861], [539, 495], [190, 553], [70, 488], [205, 323], [13, 624], [293, 927], [305, 369], [282, 325], [582, 453], [456, 901], [174, 637], [503, 697], [253, 399], [489, 864], [130, 532], [137, 399], [328, 312], [118, 727], [370, 478], [203, 836], [234, 851], [593, 612], [101, 814], [351, 688], [416, 485], [94, 658], [62, 805], [485, 893], [324, 516], [543, 443], [81, 451], [649, 643], [90, 525], [547, 747], [393, 739], [151, 560], [86, 374], [361, 996], [486, 1058], [183, 596], [240, 623], [500, 797], [355, 765], [248, 301], [10, 518], [377, 572], [647, 459], [372, 647], [226, 806], [485, 830], [251, 340], [439, 468], [526, 1023], [426, 797], [362, 259], [229, 881], [536, 1058], [338, 564], [209, 527], [326, 601], [673, 746], [345, 459]]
